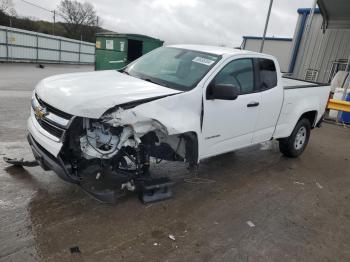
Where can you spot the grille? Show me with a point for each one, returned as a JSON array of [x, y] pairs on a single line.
[[55, 122], [54, 110], [52, 129]]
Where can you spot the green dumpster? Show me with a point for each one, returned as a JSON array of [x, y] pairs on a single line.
[[114, 51]]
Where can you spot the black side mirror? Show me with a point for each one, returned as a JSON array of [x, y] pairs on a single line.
[[222, 92]]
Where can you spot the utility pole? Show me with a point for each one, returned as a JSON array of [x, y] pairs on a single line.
[[54, 21], [45, 9], [265, 29]]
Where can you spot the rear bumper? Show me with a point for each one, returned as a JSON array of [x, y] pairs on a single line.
[[49, 162]]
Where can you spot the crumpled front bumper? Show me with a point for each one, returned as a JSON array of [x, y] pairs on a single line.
[[49, 162], [46, 149]]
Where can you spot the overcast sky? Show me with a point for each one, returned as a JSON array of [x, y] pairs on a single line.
[[211, 22]]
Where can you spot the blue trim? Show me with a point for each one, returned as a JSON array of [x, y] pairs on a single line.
[[308, 10], [268, 38], [298, 39]]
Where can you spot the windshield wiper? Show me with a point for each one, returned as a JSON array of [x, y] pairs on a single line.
[[149, 80], [153, 82], [123, 71]]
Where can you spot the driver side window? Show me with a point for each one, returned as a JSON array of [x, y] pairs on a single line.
[[238, 72]]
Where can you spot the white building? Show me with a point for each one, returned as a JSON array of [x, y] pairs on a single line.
[[277, 46]]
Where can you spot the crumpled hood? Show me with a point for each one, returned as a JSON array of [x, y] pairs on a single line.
[[91, 94]]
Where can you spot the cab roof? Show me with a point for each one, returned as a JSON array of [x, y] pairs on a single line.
[[216, 50]]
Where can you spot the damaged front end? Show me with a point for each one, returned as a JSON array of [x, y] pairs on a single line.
[[112, 154]]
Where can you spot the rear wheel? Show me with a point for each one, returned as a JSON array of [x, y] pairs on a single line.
[[296, 143]]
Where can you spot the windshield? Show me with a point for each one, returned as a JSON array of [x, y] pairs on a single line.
[[175, 68]]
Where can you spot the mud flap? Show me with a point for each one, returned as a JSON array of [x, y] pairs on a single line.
[[20, 162]]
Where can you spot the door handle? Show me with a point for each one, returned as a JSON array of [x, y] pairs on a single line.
[[252, 104]]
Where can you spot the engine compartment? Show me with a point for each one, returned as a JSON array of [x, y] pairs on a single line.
[[112, 147]]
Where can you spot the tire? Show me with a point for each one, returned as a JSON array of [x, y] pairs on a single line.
[[295, 144]]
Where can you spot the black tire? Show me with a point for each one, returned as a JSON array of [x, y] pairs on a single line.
[[296, 143]]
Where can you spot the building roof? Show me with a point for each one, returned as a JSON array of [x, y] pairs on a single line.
[[308, 10], [268, 38], [335, 13], [126, 35]]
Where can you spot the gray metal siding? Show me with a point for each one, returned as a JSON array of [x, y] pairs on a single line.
[[87, 49], [278, 48], [320, 50], [3, 51], [28, 46]]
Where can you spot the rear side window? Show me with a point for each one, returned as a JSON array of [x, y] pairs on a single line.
[[267, 73]]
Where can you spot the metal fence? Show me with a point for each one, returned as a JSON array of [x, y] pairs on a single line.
[[27, 46]]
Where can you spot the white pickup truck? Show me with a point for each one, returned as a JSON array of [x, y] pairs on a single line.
[[176, 103]]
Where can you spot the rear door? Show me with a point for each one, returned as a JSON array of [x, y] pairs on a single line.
[[229, 124], [270, 87]]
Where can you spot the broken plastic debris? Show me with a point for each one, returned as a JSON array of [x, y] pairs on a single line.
[[172, 237], [250, 223], [299, 183], [75, 249], [319, 185], [20, 162], [155, 244]]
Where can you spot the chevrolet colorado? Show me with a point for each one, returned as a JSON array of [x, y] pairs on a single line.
[[176, 103]]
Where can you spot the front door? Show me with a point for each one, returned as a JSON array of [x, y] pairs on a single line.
[[229, 124]]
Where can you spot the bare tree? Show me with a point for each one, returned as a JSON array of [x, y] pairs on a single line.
[[6, 7], [78, 17]]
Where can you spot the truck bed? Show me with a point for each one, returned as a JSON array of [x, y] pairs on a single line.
[[300, 97], [292, 83]]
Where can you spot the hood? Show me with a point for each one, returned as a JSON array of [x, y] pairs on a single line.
[[91, 94]]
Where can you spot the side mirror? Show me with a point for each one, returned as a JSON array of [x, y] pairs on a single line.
[[222, 92]]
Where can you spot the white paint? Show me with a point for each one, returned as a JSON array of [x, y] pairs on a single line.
[[90, 94], [38, 133], [122, 46], [109, 44], [116, 61], [227, 125]]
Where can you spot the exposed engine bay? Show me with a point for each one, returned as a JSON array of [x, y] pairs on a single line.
[[121, 145]]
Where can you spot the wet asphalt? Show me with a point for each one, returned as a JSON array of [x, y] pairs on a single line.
[[249, 205]]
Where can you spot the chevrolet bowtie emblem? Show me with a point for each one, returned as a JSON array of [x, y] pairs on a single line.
[[40, 112]]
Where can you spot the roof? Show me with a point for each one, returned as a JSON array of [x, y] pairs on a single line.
[[217, 50], [114, 34], [335, 13], [308, 11], [268, 38]]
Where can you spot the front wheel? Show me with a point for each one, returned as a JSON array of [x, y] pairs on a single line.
[[296, 143]]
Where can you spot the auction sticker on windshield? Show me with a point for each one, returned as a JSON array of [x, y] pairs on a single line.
[[203, 61]]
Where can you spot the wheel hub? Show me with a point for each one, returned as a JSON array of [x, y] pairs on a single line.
[[300, 138]]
